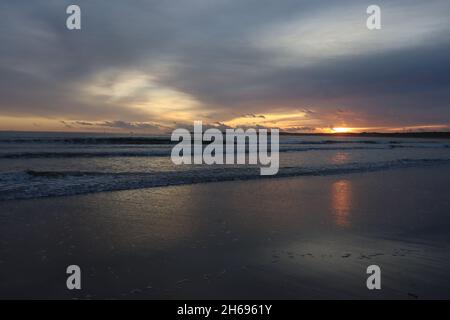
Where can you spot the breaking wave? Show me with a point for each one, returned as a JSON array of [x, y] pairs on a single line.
[[162, 152], [35, 184]]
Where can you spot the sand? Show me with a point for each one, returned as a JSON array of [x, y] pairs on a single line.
[[287, 238]]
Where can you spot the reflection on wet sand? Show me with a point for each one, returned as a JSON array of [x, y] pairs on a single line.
[[148, 220], [341, 201]]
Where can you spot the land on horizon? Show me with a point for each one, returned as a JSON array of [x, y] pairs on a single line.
[[412, 134]]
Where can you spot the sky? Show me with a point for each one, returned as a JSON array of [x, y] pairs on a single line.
[[152, 66]]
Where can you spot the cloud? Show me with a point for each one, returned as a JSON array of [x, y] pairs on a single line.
[[340, 31], [251, 115], [84, 123], [160, 62], [118, 124], [67, 125], [129, 125], [300, 129]]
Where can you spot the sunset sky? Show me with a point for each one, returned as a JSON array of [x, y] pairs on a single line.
[[151, 66]]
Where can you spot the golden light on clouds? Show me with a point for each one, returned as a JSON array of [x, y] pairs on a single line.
[[152, 105], [282, 120], [140, 91], [30, 124]]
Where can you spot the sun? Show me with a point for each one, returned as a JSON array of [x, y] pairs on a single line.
[[341, 130]]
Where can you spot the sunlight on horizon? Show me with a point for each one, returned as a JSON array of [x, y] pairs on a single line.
[[341, 130]]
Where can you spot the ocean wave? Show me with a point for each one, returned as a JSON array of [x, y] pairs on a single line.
[[166, 152], [94, 140], [35, 184], [85, 154]]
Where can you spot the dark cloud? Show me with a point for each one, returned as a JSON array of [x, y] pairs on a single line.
[[129, 125], [117, 124], [84, 123], [67, 125], [300, 129], [252, 115]]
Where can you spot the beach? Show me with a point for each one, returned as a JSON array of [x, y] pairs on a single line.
[[282, 238]]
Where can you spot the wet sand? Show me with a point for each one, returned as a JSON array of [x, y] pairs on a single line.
[[287, 238]]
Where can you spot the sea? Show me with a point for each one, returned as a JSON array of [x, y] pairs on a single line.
[[35, 165]]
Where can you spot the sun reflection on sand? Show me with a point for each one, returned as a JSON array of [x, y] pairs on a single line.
[[341, 198]]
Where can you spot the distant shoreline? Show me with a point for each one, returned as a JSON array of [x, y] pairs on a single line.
[[436, 134]]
